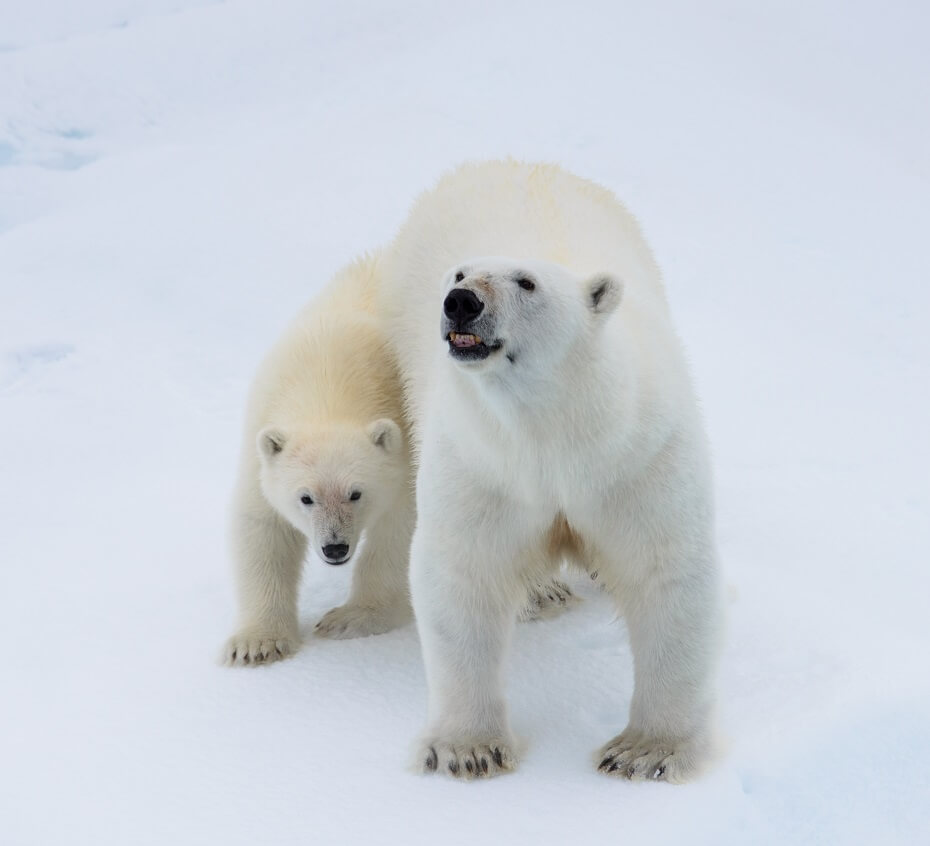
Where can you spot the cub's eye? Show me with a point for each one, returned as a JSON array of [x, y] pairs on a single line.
[[306, 499], [526, 284], [459, 276], [355, 495]]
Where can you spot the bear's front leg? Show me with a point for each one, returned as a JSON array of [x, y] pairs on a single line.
[[269, 554], [465, 574], [673, 617], [380, 597]]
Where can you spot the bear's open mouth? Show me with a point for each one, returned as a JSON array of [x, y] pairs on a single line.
[[468, 347]]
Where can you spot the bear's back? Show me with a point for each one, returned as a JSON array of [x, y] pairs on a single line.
[[333, 364], [524, 211]]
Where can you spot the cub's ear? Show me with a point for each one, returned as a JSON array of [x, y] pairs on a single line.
[[270, 442], [385, 433], [603, 293]]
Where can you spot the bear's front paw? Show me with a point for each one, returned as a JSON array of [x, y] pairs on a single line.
[[465, 759], [638, 757], [251, 648], [359, 621]]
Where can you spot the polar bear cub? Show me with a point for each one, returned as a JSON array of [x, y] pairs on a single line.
[[554, 411], [325, 459]]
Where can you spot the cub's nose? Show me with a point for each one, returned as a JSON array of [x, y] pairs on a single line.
[[336, 551], [462, 306]]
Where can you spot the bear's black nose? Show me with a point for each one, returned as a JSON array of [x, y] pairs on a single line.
[[336, 551], [462, 306]]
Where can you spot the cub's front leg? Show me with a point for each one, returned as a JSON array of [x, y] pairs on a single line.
[[268, 554], [466, 574], [380, 597]]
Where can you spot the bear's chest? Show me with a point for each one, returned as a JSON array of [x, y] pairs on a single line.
[[541, 466]]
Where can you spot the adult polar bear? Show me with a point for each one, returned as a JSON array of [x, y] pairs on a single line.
[[553, 412]]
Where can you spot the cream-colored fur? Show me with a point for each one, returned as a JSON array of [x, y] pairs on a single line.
[[324, 423], [579, 434]]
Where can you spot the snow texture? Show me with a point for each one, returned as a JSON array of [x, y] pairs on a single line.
[[178, 177]]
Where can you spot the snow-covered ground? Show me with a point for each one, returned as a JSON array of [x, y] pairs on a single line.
[[178, 176]]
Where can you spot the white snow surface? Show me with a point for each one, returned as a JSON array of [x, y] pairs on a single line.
[[177, 177]]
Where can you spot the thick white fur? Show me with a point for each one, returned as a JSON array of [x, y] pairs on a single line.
[[589, 441], [324, 419]]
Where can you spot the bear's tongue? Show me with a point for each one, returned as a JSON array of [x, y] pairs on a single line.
[[460, 340]]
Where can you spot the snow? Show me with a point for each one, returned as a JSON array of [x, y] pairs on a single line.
[[177, 177]]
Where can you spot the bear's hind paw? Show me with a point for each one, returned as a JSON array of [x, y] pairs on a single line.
[[547, 600]]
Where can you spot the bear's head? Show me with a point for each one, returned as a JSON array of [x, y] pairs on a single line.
[[331, 483], [498, 312]]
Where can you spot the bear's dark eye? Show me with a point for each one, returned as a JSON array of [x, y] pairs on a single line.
[[459, 276], [306, 499], [526, 283], [355, 496]]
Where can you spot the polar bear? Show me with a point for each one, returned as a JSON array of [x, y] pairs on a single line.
[[553, 411], [325, 458]]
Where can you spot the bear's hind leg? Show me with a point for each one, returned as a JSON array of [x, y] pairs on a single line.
[[547, 595]]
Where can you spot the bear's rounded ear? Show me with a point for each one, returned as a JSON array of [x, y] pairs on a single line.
[[603, 293], [270, 442], [385, 433]]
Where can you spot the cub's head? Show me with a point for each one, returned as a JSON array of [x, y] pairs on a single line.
[[498, 312], [332, 483]]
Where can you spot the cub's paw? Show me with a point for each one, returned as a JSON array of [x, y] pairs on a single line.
[[359, 621], [546, 600], [250, 648], [467, 759], [637, 757]]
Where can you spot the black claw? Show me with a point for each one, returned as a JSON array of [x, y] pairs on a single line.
[[659, 772], [498, 758], [612, 767], [432, 760], [469, 766], [603, 764], [484, 765], [454, 767], [631, 771]]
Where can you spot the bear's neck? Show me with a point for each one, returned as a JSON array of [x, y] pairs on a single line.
[[519, 398]]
